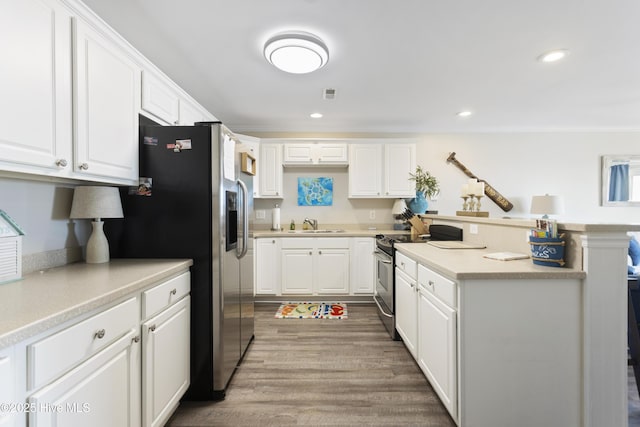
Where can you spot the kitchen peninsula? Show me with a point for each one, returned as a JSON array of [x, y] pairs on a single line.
[[512, 343]]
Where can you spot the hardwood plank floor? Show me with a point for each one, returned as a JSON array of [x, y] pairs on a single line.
[[322, 372]]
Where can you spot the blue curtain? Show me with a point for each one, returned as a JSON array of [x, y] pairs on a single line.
[[619, 183]]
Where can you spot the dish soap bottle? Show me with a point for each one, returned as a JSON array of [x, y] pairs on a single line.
[[292, 226]]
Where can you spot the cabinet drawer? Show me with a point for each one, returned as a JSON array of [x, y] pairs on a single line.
[[297, 243], [165, 294], [56, 354], [438, 285], [406, 264]]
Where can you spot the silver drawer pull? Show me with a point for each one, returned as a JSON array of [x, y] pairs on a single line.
[[99, 334], [61, 163], [84, 166], [174, 291], [152, 328], [136, 338]]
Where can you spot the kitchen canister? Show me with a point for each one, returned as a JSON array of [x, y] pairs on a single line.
[[547, 251]]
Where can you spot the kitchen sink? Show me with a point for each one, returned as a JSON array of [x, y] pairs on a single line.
[[317, 231]]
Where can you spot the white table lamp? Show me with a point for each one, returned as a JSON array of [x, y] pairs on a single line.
[[547, 205], [96, 203]]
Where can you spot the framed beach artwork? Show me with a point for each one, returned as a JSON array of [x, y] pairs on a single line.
[[315, 191]]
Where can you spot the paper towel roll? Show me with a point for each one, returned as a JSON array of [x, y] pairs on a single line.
[[275, 218]]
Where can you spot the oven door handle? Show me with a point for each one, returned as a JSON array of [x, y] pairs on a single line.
[[381, 256], [384, 313]]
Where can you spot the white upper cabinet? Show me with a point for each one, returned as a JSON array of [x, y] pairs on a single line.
[[365, 170], [299, 154], [399, 162], [159, 99], [107, 93], [270, 171], [381, 170], [251, 145], [190, 113], [35, 82]]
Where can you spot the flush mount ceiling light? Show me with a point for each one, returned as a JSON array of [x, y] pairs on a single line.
[[315, 115], [553, 55], [464, 113], [296, 52]]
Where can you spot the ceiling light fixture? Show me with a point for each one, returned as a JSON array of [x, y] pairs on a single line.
[[464, 113], [553, 55], [296, 52], [315, 115]]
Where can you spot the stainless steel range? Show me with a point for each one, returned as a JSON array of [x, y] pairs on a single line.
[[385, 255], [384, 296]]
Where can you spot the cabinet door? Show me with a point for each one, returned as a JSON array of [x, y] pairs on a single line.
[[159, 99], [365, 170], [437, 353], [35, 83], [189, 113], [331, 270], [7, 384], [270, 171], [297, 271], [165, 355], [104, 391], [399, 161], [333, 154], [107, 104], [267, 266], [363, 273], [406, 311], [298, 154]]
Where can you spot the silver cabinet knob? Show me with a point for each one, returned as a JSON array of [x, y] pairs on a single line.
[[136, 338], [152, 328], [319, 252], [273, 241], [310, 253], [99, 334], [61, 163], [84, 166], [174, 291]]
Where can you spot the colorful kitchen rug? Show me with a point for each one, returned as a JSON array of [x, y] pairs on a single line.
[[312, 310]]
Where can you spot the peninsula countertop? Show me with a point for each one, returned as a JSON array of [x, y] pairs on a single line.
[[468, 264], [42, 300]]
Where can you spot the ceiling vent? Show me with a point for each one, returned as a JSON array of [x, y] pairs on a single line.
[[329, 94]]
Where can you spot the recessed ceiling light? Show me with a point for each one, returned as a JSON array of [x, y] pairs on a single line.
[[296, 52], [315, 115], [553, 55], [464, 113]]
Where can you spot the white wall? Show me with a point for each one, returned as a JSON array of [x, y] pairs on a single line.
[[521, 165], [42, 210]]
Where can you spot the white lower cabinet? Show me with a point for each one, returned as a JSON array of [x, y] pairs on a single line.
[[125, 365], [104, 391], [363, 268], [165, 361], [267, 266], [407, 317], [437, 348], [313, 266], [7, 385]]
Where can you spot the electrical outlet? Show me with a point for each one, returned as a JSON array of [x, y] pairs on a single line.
[[473, 228], [260, 214], [372, 214]]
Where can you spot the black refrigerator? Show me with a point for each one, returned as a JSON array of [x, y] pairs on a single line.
[[194, 201]]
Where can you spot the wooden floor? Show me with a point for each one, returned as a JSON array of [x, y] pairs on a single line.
[[322, 372]]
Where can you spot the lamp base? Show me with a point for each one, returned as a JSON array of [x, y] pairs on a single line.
[[97, 246]]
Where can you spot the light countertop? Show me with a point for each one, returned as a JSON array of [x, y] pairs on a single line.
[[346, 233], [467, 264], [42, 300]]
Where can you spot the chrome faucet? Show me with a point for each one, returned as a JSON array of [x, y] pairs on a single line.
[[312, 222]]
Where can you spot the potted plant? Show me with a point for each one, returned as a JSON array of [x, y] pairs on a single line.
[[426, 186]]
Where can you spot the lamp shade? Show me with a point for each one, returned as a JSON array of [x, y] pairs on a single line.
[[399, 206], [547, 205], [96, 202]]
